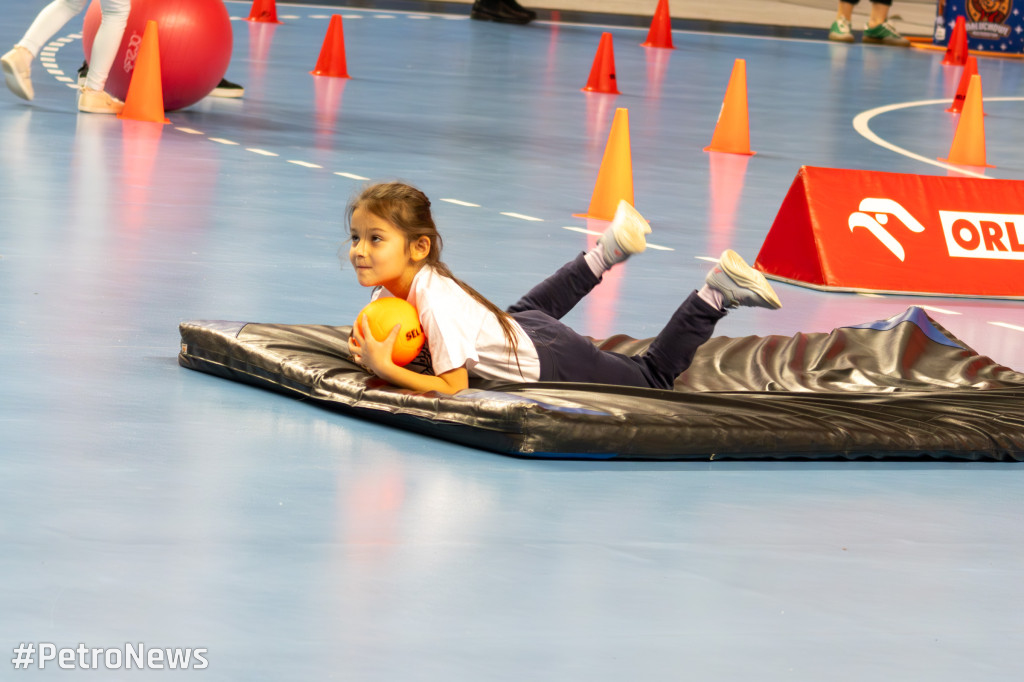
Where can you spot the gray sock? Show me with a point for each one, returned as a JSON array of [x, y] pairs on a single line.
[[595, 259], [713, 297]]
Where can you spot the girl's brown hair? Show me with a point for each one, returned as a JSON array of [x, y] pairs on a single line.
[[408, 209]]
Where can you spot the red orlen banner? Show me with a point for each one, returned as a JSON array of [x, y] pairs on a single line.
[[849, 230]]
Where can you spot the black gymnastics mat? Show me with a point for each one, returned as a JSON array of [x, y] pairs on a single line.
[[897, 388]]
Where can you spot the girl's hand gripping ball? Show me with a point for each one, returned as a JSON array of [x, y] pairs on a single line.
[[383, 314]]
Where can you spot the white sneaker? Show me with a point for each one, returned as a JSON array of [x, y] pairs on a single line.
[[884, 34], [625, 236], [98, 102], [840, 31], [740, 284], [16, 65]]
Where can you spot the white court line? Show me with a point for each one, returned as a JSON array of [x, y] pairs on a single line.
[[383, 16], [1007, 325], [656, 247], [523, 217], [65, 79], [580, 229], [459, 202], [861, 120], [221, 140], [261, 152], [939, 310], [351, 176], [190, 131], [304, 164]]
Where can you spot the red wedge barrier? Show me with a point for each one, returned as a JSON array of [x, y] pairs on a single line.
[[849, 230]]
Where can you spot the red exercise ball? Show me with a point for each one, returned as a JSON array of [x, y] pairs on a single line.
[[195, 47]]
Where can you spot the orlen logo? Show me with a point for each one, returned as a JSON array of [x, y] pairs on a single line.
[[132, 52], [983, 235], [874, 223], [968, 235]]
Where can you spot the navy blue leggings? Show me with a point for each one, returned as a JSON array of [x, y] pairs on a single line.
[[568, 356]]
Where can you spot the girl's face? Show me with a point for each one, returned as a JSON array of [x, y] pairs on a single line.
[[381, 255]]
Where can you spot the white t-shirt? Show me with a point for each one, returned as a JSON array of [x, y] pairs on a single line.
[[460, 331]]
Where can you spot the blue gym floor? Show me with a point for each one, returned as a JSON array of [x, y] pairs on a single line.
[[142, 502]]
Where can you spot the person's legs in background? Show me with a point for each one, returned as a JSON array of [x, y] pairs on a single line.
[[93, 98], [17, 62], [878, 30]]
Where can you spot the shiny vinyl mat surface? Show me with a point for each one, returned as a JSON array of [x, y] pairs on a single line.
[[142, 502]]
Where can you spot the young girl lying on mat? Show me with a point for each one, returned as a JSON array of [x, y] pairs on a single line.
[[396, 248]]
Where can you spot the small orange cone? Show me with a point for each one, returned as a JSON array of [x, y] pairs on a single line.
[[732, 132], [145, 98], [660, 33], [615, 178], [969, 140], [970, 69], [264, 11], [602, 73], [332, 54], [956, 50]]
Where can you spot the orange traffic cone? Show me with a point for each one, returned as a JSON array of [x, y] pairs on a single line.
[[660, 33], [332, 54], [970, 69], [969, 140], [265, 11], [602, 73], [956, 50], [615, 178], [732, 132], [145, 98]]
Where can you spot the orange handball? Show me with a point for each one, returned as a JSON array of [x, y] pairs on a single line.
[[383, 314]]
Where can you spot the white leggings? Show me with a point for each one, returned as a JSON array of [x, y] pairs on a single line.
[[104, 47]]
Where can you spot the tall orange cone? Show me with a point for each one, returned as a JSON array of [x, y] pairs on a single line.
[[732, 132], [615, 178], [602, 73], [332, 54], [264, 11], [969, 140], [956, 50], [970, 69], [660, 32], [145, 98]]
